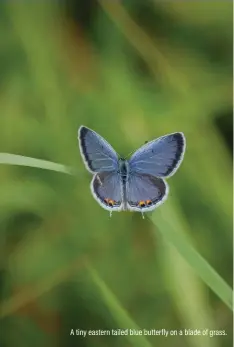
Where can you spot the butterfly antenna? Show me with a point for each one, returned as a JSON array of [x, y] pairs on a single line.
[[129, 154], [134, 151]]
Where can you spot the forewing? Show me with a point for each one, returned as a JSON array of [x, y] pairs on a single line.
[[160, 157], [97, 153], [107, 190], [145, 192]]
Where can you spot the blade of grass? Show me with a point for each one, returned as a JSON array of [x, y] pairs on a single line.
[[14, 159], [170, 230], [188, 294], [118, 312]]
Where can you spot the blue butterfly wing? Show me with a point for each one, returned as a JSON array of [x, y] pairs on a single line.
[[160, 157], [97, 153], [145, 192], [106, 189]]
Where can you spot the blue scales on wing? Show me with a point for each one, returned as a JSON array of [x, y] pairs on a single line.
[[144, 192], [97, 153], [106, 188], [160, 157]]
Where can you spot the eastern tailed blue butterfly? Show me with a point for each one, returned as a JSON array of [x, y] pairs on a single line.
[[136, 184]]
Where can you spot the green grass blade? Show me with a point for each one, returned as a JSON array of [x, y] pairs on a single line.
[[170, 228], [14, 159], [119, 314]]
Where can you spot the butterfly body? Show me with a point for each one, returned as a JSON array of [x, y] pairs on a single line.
[[123, 173], [136, 184]]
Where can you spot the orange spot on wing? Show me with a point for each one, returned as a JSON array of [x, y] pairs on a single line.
[[110, 202], [142, 203]]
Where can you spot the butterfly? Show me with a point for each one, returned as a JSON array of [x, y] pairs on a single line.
[[136, 184]]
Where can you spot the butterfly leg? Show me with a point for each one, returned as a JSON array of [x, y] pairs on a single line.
[[110, 214], [143, 217]]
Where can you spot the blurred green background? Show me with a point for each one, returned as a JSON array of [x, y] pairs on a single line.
[[132, 71]]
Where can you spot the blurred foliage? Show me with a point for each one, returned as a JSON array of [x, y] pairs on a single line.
[[132, 70]]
